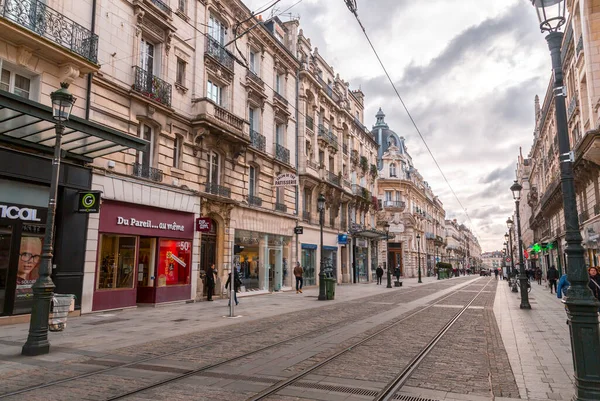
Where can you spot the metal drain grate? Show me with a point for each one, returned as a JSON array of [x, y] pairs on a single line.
[[337, 389], [411, 398], [251, 379]]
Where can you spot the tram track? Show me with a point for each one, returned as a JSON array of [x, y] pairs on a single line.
[[187, 349]]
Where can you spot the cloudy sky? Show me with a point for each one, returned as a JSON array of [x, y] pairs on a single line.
[[468, 71]]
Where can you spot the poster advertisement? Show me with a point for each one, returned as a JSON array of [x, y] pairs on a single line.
[[174, 261], [30, 256]]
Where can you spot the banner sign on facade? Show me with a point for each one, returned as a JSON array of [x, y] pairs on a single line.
[[89, 202], [203, 224], [286, 180], [343, 239]]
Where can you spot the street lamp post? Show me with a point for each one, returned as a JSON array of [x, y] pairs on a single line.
[[419, 255], [37, 341], [509, 224], [321, 209], [516, 191], [581, 305], [505, 256], [389, 267]]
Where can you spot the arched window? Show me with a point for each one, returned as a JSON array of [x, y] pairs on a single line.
[[392, 141], [393, 170]]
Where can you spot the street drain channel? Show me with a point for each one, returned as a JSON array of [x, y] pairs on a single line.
[[354, 390]]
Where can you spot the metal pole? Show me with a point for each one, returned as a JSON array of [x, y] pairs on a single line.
[[322, 295], [419, 258], [389, 266], [582, 307], [523, 278], [43, 289], [512, 261]]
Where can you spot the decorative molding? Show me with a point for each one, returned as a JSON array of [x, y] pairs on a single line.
[[24, 55], [68, 73]]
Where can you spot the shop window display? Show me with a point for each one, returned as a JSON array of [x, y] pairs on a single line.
[[116, 262], [174, 262], [309, 261]]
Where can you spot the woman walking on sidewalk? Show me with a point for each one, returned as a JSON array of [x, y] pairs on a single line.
[[594, 282]]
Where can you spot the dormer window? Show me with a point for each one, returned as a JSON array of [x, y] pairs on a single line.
[[393, 170]]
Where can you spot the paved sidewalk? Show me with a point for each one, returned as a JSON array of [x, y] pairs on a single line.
[[98, 333], [537, 342]]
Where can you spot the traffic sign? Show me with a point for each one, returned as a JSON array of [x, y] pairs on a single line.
[[298, 230], [508, 260]]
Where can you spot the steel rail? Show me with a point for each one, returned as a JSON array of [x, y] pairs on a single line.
[[287, 382]]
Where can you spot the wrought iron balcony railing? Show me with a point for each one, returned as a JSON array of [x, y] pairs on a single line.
[[282, 154], [219, 190], [360, 191], [310, 124], [161, 6], [52, 25], [257, 141], [281, 207], [392, 204], [328, 136], [306, 216], [579, 47], [347, 184], [312, 164], [147, 172], [255, 78], [219, 53], [254, 200], [596, 210], [333, 178], [345, 148], [572, 107], [152, 87], [280, 97]]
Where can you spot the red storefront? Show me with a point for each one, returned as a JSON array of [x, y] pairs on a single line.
[[144, 256]]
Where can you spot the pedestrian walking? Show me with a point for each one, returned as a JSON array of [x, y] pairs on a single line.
[[552, 277], [496, 273], [563, 286], [298, 272], [211, 273], [594, 283], [538, 275], [379, 273], [237, 283], [397, 273]]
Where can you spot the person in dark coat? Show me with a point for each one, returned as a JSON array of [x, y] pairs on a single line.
[[594, 283], [236, 286], [211, 273], [397, 273], [538, 275], [379, 274], [552, 277]]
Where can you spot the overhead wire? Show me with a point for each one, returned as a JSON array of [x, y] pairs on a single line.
[[351, 4]]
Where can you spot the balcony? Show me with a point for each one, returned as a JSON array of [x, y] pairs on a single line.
[[345, 148], [393, 205], [152, 86], [220, 120], [360, 191], [221, 55], [430, 236], [332, 178], [572, 107], [306, 216], [282, 154], [257, 141], [281, 99], [219, 190], [149, 173], [579, 47], [161, 6], [584, 216], [347, 184], [354, 157], [254, 201], [328, 137], [281, 207], [596, 210], [59, 33], [255, 80], [313, 165], [310, 124]]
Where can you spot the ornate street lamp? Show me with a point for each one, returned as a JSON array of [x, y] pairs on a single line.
[[386, 226], [43, 289], [516, 191], [581, 305], [419, 255], [321, 209]]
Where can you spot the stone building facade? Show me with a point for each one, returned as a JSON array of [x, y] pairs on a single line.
[[416, 216], [337, 158]]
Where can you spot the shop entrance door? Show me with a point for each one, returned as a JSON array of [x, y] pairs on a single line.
[[395, 257], [146, 270], [208, 253]]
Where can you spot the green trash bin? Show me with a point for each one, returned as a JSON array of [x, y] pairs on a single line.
[[330, 288]]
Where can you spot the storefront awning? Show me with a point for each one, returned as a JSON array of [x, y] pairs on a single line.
[[371, 234], [28, 123]]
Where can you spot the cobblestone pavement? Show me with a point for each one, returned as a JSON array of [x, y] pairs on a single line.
[[305, 333]]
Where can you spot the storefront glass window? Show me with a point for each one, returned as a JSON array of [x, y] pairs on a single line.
[[117, 262], [330, 262], [174, 262], [30, 256], [309, 261], [5, 237]]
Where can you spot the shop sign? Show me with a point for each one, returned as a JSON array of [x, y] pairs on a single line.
[[121, 221], [286, 180], [89, 202], [342, 239], [203, 224], [18, 213], [361, 242], [298, 230]]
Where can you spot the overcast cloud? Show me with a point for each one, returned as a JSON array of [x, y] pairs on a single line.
[[467, 70]]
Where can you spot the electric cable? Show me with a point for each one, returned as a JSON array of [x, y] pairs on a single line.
[[351, 4]]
